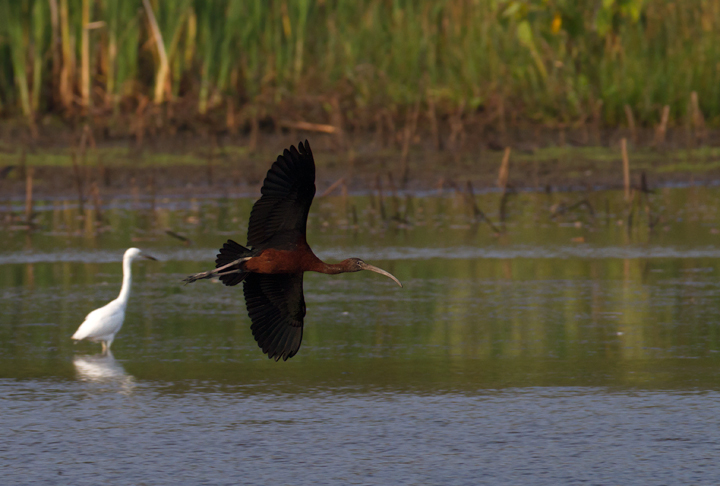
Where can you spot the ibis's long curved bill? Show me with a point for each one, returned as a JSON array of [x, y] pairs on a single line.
[[372, 268], [149, 257]]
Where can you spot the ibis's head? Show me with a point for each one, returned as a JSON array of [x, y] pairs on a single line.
[[134, 253], [356, 264]]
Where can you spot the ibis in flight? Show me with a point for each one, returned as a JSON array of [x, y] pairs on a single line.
[[102, 324], [271, 267]]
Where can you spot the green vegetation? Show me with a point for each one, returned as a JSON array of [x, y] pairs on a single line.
[[558, 63]]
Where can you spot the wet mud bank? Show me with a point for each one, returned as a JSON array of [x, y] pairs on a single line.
[[200, 166]]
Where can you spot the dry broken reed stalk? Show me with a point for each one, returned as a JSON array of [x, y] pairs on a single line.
[[97, 202], [597, 120], [478, 214], [502, 183], [504, 172], [395, 200], [626, 169], [434, 125], [338, 183], [186, 241], [79, 181], [661, 129], [408, 134], [309, 127], [29, 194], [381, 199], [135, 191], [645, 192], [631, 123], [697, 118]]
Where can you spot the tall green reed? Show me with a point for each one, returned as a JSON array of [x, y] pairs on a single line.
[[545, 61], [15, 28]]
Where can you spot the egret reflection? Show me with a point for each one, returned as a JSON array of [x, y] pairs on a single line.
[[103, 368]]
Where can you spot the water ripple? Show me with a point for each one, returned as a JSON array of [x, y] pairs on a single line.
[[390, 253]]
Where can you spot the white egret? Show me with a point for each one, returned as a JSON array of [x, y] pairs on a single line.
[[102, 324]]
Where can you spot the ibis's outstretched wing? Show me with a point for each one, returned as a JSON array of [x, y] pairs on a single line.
[[276, 307], [279, 217]]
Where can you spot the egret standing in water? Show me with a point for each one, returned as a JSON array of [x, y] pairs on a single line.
[[272, 268], [102, 324]]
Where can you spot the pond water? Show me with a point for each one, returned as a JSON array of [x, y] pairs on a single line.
[[569, 349]]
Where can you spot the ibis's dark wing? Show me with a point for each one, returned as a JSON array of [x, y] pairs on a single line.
[[280, 215], [276, 307]]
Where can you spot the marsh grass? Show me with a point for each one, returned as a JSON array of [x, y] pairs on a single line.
[[553, 63]]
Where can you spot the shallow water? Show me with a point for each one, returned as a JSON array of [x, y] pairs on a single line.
[[568, 350]]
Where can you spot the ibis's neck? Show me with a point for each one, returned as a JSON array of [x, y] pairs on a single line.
[[328, 268], [127, 280]]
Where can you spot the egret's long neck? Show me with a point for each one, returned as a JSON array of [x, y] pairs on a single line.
[[127, 280]]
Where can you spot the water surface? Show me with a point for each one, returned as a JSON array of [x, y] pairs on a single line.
[[567, 350]]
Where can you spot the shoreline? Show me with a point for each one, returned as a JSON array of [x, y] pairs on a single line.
[[191, 167]]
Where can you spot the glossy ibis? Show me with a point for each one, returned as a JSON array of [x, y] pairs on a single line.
[[272, 266], [102, 324]]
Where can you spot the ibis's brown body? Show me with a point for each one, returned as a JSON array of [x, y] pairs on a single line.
[[299, 259]]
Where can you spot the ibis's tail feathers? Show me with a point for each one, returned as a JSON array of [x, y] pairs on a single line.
[[230, 252], [227, 259], [228, 265]]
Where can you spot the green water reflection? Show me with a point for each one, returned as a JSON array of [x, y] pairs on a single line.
[[572, 299]]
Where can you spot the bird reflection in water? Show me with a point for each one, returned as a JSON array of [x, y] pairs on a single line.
[[103, 369]]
